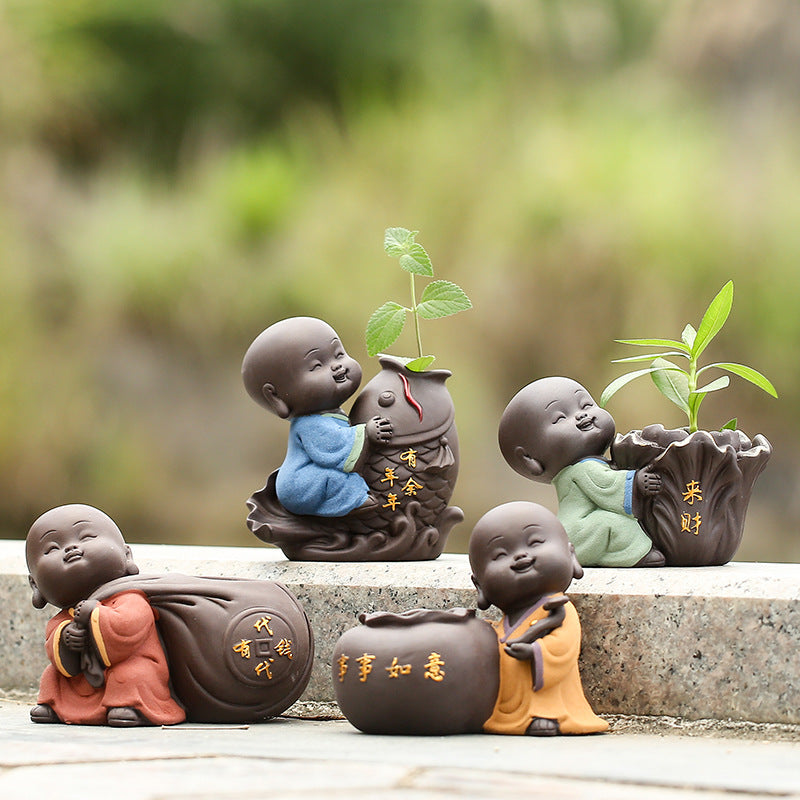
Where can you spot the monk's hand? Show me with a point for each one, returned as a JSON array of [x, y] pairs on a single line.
[[83, 612], [75, 637], [553, 620], [647, 481], [520, 650], [379, 429]]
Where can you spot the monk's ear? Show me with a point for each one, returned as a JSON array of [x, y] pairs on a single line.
[[527, 464], [483, 601], [577, 569], [130, 568], [273, 402], [37, 598]]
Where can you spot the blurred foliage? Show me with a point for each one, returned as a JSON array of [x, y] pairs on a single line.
[[176, 175]]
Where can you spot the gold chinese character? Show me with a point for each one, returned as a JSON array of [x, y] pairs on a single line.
[[264, 623], [264, 667], [691, 524], [395, 670], [693, 492], [411, 488], [389, 476], [410, 457], [433, 667], [343, 659], [364, 666], [284, 648], [243, 648], [392, 501]]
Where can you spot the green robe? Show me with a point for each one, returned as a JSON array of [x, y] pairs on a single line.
[[595, 506]]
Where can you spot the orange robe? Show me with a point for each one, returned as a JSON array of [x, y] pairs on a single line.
[[123, 629], [552, 689]]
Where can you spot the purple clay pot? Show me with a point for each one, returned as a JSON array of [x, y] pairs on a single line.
[[697, 519], [421, 672]]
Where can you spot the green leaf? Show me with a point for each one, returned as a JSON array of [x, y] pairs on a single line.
[[714, 318], [647, 357], [441, 299], [417, 261], [689, 335], [656, 343], [748, 373], [623, 380], [672, 382], [730, 425], [396, 241], [420, 364], [399, 243], [384, 327], [714, 386]]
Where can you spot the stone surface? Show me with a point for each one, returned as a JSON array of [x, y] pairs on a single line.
[[304, 759], [713, 642]]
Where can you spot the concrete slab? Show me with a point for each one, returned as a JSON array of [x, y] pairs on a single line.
[[302, 758], [718, 642]]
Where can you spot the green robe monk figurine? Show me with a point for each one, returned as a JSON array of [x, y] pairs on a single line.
[[553, 431]]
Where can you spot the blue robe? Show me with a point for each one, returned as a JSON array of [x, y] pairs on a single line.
[[317, 477]]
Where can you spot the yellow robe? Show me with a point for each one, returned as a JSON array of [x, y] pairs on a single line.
[[552, 689]]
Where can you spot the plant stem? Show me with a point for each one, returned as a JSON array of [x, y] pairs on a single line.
[[693, 407], [416, 316]]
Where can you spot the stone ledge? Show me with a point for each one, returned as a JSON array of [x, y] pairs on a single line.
[[709, 643]]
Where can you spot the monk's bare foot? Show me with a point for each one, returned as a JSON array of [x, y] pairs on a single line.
[[43, 713], [540, 726], [655, 558], [125, 717]]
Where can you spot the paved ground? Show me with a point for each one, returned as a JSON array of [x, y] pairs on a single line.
[[301, 758]]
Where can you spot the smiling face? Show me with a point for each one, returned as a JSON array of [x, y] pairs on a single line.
[[550, 424], [71, 551], [518, 553], [299, 366]]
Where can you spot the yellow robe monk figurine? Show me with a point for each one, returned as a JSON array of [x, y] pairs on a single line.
[[522, 562]]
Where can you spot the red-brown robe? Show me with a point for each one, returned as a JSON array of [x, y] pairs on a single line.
[[123, 629], [553, 690]]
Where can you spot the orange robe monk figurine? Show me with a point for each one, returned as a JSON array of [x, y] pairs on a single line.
[[522, 562]]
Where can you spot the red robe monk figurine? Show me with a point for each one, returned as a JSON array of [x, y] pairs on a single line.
[[107, 665]]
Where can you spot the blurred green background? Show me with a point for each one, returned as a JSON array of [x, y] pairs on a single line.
[[175, 175]]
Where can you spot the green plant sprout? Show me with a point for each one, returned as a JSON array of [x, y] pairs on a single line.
[[681, 385], [438, 299]]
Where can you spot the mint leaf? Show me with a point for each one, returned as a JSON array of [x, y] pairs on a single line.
[[730, 425], [397, 240], [420, 364], [441, 299], [399, 243], [384, 327]]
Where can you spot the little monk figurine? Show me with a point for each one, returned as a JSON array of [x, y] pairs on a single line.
[[522, 562], [553, 431], [107, 665], [298, 370]]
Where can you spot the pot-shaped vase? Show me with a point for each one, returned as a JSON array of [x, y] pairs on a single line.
[[420, 672], [697, 519]]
